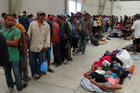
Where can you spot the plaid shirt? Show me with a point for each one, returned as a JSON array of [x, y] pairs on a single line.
[[39, 36]]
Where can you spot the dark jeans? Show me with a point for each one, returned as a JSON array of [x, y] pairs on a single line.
[[75, 42], [82, 44], [64, 49], [36, 58], [15, 65], [57, 54]]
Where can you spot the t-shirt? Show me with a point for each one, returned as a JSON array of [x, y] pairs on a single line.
[[56, 28], [75, 32], [13, 33], [136, 27], [66, 29], [20, 27], [51, 28], [95, 23], [84, 26]]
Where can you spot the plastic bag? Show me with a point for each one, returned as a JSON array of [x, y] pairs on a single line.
[[44, 67], [125, 57]]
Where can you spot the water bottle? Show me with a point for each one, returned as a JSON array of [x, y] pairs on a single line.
[[129, 78]]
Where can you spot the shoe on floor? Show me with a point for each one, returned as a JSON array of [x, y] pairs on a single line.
[[36, 76], [24, 85], [11, 90], [44, 73], [27, 79], [19, 91], [50, 70]]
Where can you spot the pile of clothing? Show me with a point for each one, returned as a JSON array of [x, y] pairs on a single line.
[[109, 72], [98, 39]]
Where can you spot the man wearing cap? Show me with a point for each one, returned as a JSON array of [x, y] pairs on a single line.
[[136, 29], [39, 35]]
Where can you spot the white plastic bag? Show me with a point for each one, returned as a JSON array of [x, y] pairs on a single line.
[[106, 63], [125, 58]]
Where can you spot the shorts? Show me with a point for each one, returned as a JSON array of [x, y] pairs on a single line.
[[48, 53], [136, 41]]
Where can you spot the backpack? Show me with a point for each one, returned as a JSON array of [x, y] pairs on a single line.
[[4, 55], [66, 29], [61, 34], [27, 39]]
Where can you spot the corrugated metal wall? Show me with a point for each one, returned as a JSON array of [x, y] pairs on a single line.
[[3, 6], [129, 8]]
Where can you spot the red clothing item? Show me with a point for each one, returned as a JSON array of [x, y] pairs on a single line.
[[101, 39], [56, 28], [108, 58]]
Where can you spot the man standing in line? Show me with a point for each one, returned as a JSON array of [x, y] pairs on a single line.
[[39, 35], [23, 54], [85, 30], [136, 29], [12, 36]]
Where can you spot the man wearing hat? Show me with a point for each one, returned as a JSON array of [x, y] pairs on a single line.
[[39, 35], [136, 29]]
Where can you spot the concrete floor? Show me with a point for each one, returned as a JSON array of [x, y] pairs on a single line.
[[66, 78]]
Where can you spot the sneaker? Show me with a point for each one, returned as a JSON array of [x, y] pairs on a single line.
[[24, 85], [70, 58], [19, 91], [27, 79], [54, 64], [44, 73], [11, 90], [36, 76], [51, 70]]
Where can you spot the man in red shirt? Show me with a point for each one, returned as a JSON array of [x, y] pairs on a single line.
[[56, 42]]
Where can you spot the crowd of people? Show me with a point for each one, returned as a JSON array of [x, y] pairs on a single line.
[[33, 39]]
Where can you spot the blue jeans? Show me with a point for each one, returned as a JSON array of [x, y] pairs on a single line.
[[48, 53], [36, 58], [15, 65], [82, 43]]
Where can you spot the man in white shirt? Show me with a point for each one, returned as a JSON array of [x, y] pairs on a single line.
[[39, 35], [136, 29]]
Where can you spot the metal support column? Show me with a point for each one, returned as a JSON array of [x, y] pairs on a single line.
[[101, 6], [111, 10], [66, 6], [9, 6], [18, 8]]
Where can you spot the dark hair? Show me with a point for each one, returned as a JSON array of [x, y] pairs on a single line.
[[3, 15], [60, 17], [8, 15], [25, 12], [137, 16], [49, 15], [86, 14], [14, 15]]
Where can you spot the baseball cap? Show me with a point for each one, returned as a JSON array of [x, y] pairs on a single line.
[[41, 13]]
